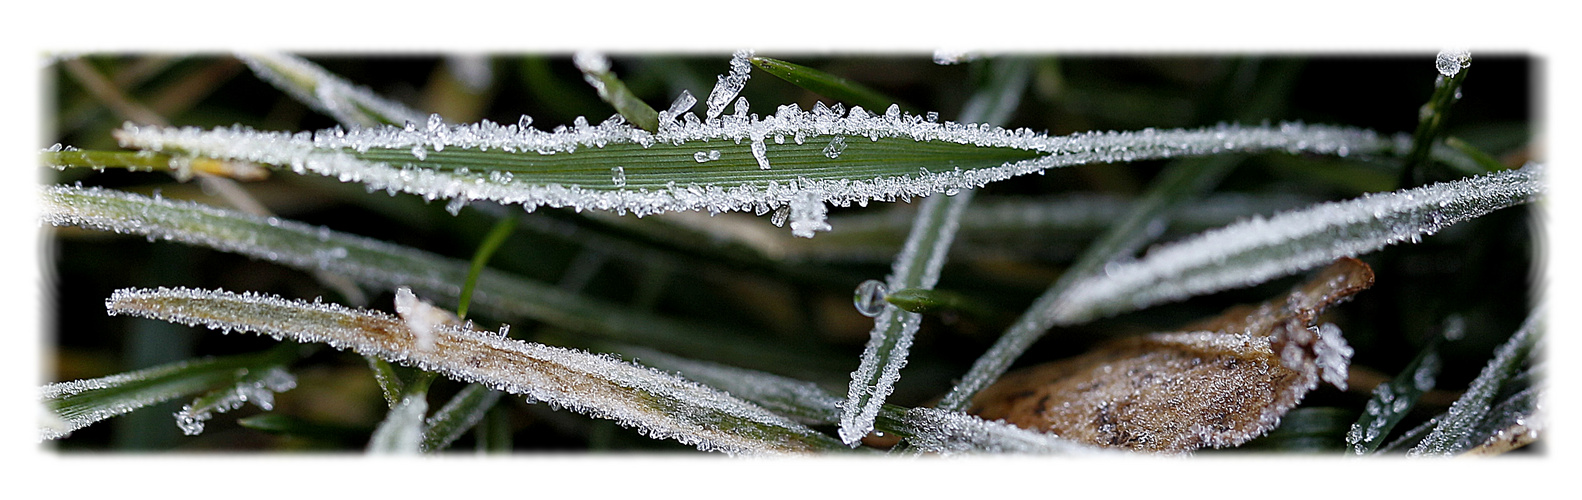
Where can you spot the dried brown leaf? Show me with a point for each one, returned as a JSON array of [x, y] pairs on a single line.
[[1220, 382]]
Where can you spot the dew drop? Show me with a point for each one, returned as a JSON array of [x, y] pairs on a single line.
[[869, 297]]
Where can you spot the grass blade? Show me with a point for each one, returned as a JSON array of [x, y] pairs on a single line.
[[661, 405], [917, 267], [824, 84], [459, 415], [716, 166], [1453, 69], [80, 403], [401, 432], [382, 265], [1257, 250], [354, 106], [1455, 432], [1392, 400], [596, 70]]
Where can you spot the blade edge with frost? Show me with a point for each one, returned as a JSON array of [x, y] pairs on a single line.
[[1258, 250], [660, 405], [378, 264], [936, 431], [352, 105], [572, 166], [1453, 429]]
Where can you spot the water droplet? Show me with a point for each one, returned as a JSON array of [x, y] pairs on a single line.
[[1450, 62], [869, 297], [618, 176]]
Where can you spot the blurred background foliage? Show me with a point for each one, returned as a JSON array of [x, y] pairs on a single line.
[[1486, 270]]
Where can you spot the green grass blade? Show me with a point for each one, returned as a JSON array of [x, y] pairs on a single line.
[[596, 70], [1453, 69], [480, 259], [917, 266], [459, 415], [255, 386], [80, 403], [354, 106], [661, 405], [824, 84], [1257, 250], [616, 167], [1392, 400], [1455, 431], [383, 265]]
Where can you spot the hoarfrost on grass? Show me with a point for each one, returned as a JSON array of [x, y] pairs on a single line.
[[1451, 61], [1259, 249], [1454, 431], [658, 404], [335, 153], [258, 389], [351, 105], [728, 85]]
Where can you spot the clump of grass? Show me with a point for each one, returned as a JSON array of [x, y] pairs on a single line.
[[964, 195]]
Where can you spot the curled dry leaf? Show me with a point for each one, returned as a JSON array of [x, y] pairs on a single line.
[[1220, 382]]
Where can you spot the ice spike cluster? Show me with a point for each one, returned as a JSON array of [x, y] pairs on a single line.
[[659, 405]]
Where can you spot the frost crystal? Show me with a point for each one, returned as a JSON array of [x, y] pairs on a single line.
[[618, 176], [835, 147], [1334, 356], [728, 85], [1451, 62], [808, 214]]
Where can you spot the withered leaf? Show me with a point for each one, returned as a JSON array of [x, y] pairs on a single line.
[[1219, 382]]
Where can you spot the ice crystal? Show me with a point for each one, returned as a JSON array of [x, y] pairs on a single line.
[[1451, 62], [728, 85], [658, 404]]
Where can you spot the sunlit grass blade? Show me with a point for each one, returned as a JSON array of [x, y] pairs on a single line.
[[1456, 430], [352, 105], [459, 415], [1257, 250], [661, 405], [917, 267], [596, 70], [382, 265], [80, 403], [824, 84], [146, 161]]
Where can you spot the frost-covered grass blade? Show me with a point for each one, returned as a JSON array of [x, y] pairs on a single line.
[[79, 403], [1455, 431], [917, 267], [465, 410], [739, 162], [382, 265], [352, 105], [1257, 250], [1393, 399], [596, 70], [660, 405]]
